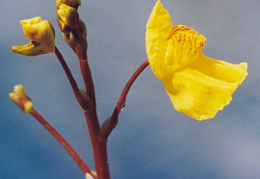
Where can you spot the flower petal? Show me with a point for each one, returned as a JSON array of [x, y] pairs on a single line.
[[198, 85], [158, 27], [205, 87], [32, 48]]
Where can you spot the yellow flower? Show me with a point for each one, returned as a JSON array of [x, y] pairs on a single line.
[[41, 33], [198, 86], [20, 98]]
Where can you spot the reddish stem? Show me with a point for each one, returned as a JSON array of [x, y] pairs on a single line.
[[111, 122], [88, 81], [73, 83], [99, 146], [67, 70], [63, 142]]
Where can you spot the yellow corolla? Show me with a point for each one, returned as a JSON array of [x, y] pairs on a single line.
[[198, 86], [41, 33]]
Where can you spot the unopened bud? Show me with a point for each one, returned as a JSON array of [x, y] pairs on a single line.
[[73, 3], [76, 39], [88, 176], [68, 15], [21, 99]]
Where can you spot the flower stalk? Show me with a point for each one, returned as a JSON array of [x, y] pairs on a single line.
[[111, 122], [99, 146], [85, 169], [74, 32], [80, 95]]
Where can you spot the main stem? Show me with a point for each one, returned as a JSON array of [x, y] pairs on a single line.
[[99, 146]]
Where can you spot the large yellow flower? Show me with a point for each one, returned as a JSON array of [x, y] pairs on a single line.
[[198, 86]]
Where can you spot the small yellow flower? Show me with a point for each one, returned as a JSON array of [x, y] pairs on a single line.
[[198, 86], [41, 33], [21, 99]]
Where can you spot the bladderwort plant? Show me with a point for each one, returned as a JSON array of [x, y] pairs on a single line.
[[198, 86]]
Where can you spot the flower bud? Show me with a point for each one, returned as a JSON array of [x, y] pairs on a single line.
[[76, 39], [68, 15], [63, 27], [74, 30], [73, 3], [41, 33], [21, 99], [88, 176]]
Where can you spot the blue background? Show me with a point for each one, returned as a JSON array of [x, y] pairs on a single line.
[[152, 140]]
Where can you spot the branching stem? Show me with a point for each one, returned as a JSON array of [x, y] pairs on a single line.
[[85, 169], [84, 104], [111, 122], [99, 146]]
